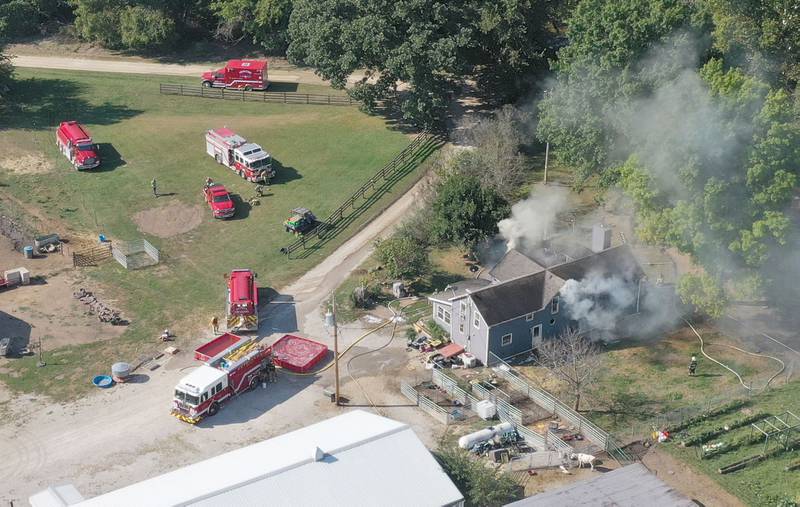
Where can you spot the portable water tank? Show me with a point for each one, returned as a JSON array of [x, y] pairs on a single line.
[[121, 370], [486, 409], [28, 252]]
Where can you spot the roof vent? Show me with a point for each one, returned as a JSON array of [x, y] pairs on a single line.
[[318, 454]]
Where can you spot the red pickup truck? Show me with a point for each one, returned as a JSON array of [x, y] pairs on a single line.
[[219, 200]]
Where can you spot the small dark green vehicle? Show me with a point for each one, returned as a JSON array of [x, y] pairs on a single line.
[[300, 222]]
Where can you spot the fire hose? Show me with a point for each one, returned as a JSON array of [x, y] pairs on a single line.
[[741, 381]]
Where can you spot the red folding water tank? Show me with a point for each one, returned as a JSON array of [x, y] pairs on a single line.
[[297, 354]]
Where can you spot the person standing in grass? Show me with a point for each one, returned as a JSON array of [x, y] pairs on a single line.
[[215, 324], [693, 366], [155, 187]]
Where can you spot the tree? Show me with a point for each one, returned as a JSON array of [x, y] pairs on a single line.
[[574, 359], [266, 22], [763, 35], [98, 20], [402, 257], [704, 292], [465, 212], [145, 28], [495, 157], [427, 44], [598, 72], [481, 486]]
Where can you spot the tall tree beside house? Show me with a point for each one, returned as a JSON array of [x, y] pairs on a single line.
[[465, 212], [402, 257], [572, 358]]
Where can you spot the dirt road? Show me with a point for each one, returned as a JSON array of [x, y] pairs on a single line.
[[137, 66], [123, 435]]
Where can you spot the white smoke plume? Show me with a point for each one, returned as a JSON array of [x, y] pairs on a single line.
[[599, 302], [533, 218]]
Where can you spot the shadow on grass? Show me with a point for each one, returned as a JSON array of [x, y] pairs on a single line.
[[38, 104], [110, 159], [316, 241], [283, 174], [282, 87], [437, 281], [242, 207]]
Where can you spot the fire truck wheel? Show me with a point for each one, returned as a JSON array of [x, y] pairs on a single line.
[[248, 88], [213, 409], [207, 84], [218, 158], [241, 174], [253, 383]]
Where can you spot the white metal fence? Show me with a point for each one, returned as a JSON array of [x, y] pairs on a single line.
[[135, 254], [588, 429], [426, 404]]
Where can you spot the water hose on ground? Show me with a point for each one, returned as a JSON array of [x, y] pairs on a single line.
[[741, 381]]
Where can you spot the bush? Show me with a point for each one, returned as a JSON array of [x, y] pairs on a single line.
[[145, 28], [18, 17], [99, 20], [480, 485], [465, 212], [402, 257]]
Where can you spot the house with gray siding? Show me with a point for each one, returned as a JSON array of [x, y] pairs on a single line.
[[510, 317]]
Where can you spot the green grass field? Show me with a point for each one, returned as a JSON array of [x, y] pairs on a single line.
[[762, 484], [321, 154]]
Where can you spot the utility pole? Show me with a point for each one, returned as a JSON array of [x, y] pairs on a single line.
[[546, 156], [330, 321], [41, 362]]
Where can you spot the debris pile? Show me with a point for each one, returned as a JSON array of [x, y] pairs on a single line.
[[103, 312]]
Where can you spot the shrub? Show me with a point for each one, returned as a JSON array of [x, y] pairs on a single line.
[[145, 28], [402, 257], [99, 20]]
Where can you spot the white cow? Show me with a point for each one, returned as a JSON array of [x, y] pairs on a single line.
[[583, 459]]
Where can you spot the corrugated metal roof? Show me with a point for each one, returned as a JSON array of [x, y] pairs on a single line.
[[56, 496], [630, 486], [368, 460]]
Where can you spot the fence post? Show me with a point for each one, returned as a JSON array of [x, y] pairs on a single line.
[[307, 99], [284, 97], [202, 93], [329, 99], [181, 89]]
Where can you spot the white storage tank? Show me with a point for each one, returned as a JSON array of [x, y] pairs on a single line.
[[469, 440], [486, 409]]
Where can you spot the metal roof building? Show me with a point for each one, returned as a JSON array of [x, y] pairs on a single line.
[[353, 459], [630, 486]]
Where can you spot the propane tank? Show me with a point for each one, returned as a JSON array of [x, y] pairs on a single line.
[[469, 440]]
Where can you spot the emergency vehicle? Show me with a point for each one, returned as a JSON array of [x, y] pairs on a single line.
[[242, 302], [231, 366], [245, 74], [248, 160], [219, 200], [75, 143]]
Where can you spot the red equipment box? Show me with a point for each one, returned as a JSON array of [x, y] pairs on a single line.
[[297, 354], [217, 348]]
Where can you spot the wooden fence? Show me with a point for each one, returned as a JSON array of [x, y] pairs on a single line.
[[92, 256], [250, 96], [338, 217]]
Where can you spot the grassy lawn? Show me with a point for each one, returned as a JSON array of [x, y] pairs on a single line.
[[763, 483], [321, 154]]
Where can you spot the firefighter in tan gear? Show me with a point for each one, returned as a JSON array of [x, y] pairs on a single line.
[[215, 324]]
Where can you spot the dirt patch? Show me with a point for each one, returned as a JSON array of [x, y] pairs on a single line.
[[170, 220], [27, 163], [684, 479], [49, 311]]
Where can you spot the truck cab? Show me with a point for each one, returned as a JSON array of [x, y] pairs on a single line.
[[74, 141], [255, 163], [242, 304], [219, 200], [240, 74], [200, 392]]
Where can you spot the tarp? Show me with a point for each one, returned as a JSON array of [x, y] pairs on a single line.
[[451, 350]]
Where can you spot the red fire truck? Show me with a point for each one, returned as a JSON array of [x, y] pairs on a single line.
[[231, 365], [248, 160], [245, 74], [76, 144], [242, 302]]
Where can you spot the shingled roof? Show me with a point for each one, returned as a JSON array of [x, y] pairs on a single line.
[[526, 294], [520, 296], [613, 261], [513, 265]]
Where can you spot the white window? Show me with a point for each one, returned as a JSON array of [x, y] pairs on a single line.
[[461, 327], [476, 321], [554, 305], [447, 317], [505, 340], [536, 332], [552, 321], [463, 309], [529, 317], [440, 312]]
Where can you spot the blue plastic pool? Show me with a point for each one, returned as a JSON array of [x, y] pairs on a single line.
[[103, 381]]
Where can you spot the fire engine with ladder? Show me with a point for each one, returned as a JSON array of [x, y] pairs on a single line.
[[246, 159], [230, 366], [241, 308]]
